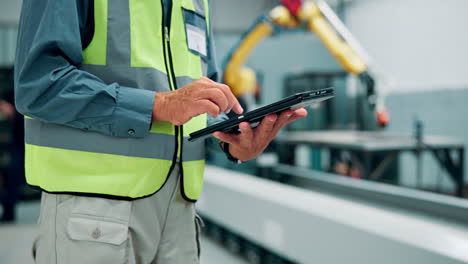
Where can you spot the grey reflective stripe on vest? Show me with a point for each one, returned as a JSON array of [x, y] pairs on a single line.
[[204, 66], [143, 78], [199, 6], [155, 146], [183, 81], [193, 150], [118, 34]]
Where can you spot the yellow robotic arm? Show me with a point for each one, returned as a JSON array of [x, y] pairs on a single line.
[[291, 14], [241, 79]]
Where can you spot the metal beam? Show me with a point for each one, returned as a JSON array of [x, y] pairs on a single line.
[[312, 227]]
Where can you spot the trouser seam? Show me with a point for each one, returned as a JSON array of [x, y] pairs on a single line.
[[197, 236], [55, 228], [167, 210], [127, 248], [174, 191]]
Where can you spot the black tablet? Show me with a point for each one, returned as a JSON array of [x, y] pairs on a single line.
[[254, 117]]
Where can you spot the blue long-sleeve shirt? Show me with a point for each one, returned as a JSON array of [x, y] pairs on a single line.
[[50, 87]]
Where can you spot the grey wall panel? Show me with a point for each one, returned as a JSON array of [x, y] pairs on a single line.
[[10, 11], [7, 44], [421, 44], [9, 17], [236, 16]]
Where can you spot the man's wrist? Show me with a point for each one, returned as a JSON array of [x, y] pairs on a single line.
[[158, 107]]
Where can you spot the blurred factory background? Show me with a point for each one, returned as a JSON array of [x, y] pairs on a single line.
[[344, 185]]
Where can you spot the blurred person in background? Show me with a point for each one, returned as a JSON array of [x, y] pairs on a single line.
[[14, 172]]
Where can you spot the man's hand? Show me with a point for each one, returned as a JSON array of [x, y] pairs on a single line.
[[200, 97], [252, 141]]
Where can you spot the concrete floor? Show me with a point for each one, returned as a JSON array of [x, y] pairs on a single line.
[[16, 240]]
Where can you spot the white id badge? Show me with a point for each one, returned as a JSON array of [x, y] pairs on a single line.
[[196, 39]]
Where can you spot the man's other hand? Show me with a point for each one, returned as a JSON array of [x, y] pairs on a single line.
[[200, 97], [252, 141]]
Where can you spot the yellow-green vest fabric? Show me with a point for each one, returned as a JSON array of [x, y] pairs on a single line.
[[129, 47]]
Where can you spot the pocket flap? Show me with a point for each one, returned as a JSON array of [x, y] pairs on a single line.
[[85, 229]]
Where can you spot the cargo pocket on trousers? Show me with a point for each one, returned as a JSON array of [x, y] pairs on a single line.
[[95, 241], [96, 233]]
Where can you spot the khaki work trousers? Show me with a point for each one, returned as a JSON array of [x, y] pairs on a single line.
[[160, 229]]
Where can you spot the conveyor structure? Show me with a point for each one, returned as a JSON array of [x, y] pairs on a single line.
[[335, 220]]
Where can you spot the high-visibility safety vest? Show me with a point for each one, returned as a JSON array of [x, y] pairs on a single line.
[[135, 46]]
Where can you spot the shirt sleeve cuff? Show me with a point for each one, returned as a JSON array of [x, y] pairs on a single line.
[[132, 116]]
